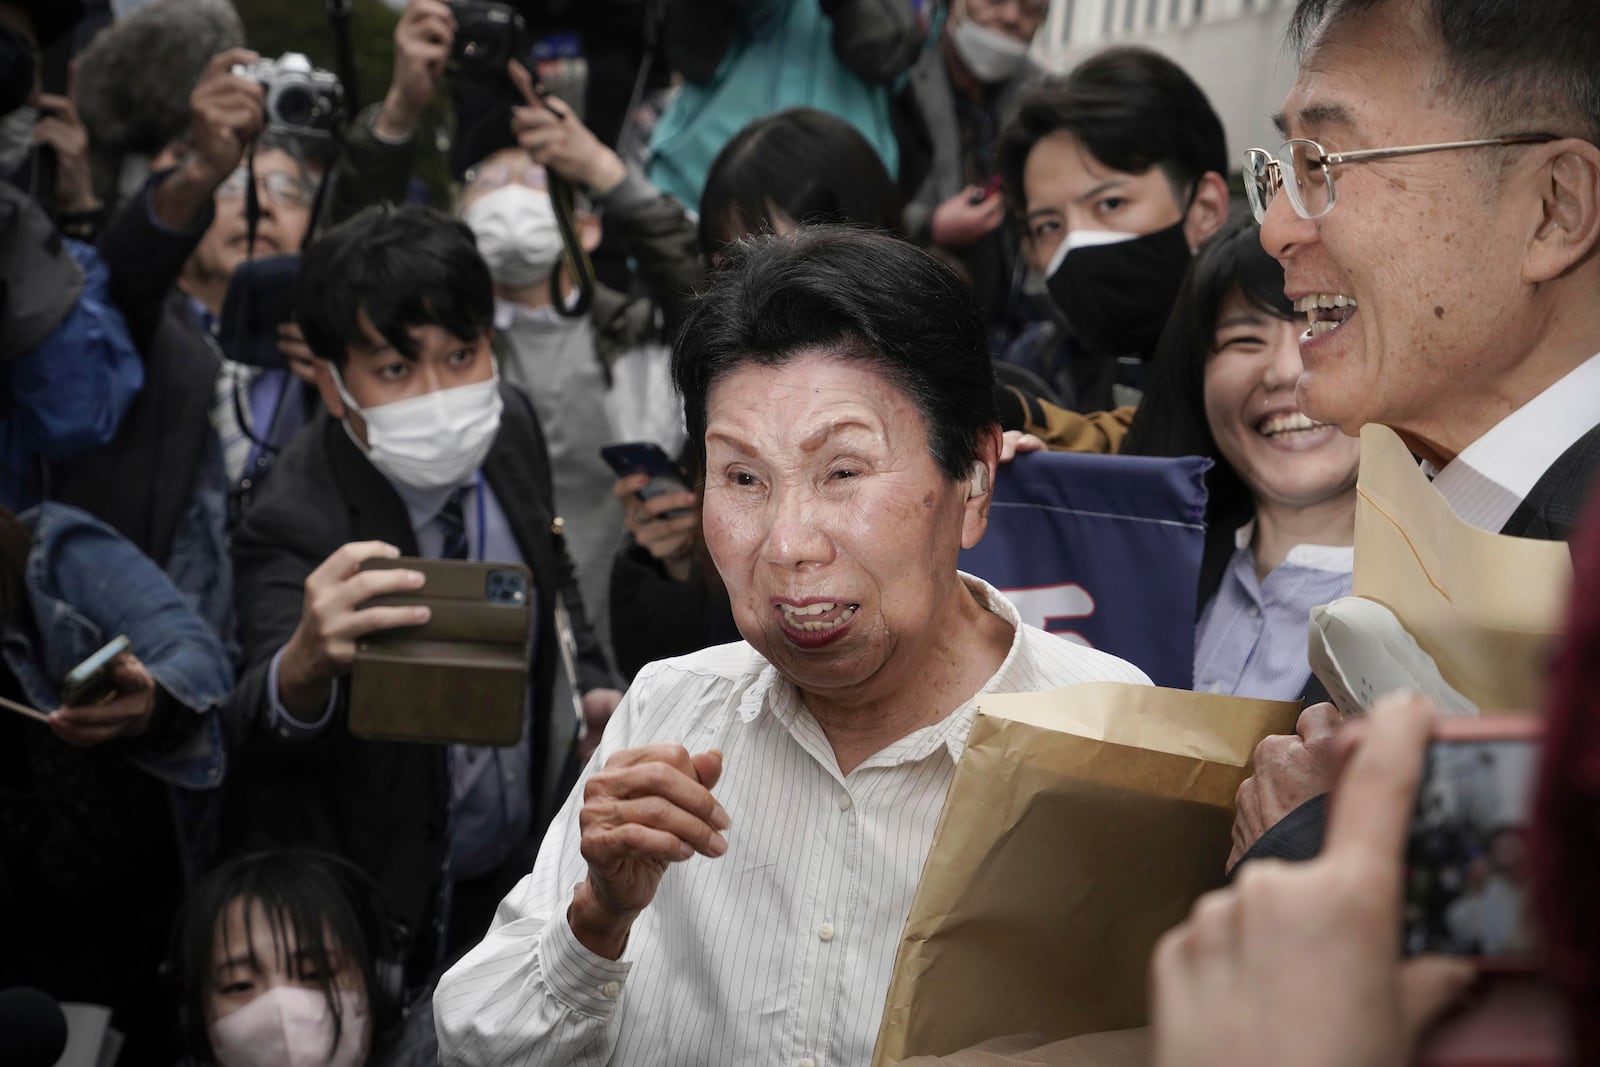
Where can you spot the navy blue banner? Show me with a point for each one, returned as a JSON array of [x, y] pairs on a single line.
[[1104, 550]]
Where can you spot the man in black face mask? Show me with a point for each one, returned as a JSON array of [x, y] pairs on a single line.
[[1117, 171]]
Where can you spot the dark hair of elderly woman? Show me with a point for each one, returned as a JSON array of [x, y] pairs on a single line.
[[880, 301], [798, 167]]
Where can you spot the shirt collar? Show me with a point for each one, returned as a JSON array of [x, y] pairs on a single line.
[[1341, 558], [775, 695], [508, 314], [1491, 477], [423, 505]]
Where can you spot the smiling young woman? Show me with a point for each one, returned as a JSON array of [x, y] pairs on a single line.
[[1281, 513]]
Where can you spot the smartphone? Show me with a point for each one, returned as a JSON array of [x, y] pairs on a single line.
[[461, 677], [90, 681], [647, 457], [1466, 888]]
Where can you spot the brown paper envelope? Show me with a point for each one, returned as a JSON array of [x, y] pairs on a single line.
[[1484, 606], [1081, 825], [1117, 1048]]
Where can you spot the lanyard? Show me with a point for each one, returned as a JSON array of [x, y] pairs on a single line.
[[483, 529]]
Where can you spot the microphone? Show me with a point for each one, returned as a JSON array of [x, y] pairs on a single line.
[[33, 1030]]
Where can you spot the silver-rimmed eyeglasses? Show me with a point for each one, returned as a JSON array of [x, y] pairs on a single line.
[[1311, 191]]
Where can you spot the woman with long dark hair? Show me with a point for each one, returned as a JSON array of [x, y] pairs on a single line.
[[1281, 515]]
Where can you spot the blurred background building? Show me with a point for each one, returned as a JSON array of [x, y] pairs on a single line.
[[1233, 48]]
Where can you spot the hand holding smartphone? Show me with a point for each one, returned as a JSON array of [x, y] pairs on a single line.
[[647, 457], [90, 682]]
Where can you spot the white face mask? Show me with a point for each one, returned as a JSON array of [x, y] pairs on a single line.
[[292, 1027], [434, 441], [517, 234], [990, 55], [16, 137]]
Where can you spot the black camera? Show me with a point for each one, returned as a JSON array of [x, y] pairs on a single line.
[[301, 100], [488, 36]]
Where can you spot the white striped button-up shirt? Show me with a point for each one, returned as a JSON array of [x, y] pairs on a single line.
[[780, 951]]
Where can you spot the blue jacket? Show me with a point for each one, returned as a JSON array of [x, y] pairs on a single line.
[[71, 392], [85, 585]]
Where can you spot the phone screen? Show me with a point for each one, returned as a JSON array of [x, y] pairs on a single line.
[[1467, 853], [90, 681]]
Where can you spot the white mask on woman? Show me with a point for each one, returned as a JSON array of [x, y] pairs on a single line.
[[517, 234], [990, 55], [433, 441], [288, 1026]]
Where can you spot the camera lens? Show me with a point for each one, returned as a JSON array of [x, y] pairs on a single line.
[[295, 104]]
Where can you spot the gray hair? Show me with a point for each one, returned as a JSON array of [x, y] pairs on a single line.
[[134, 79]]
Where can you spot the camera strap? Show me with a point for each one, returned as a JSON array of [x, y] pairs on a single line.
[[344, 55], [577, 260]]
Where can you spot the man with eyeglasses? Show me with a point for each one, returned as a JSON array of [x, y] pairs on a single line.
[[1437, 213]]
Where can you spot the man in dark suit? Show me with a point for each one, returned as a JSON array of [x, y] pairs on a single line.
[[1453, 289], [422, 452]]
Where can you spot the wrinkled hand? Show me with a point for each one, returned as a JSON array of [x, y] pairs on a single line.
[[63, 131], [649, 808], [126, 713], [1300, 963], [227, 112], [564, 145], [332, 621], [422, 41], [958, 223], [1290, 769], [1014, 443], [598, 705], [671, 541]]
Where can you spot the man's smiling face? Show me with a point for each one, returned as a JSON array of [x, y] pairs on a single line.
[[1426, 250]]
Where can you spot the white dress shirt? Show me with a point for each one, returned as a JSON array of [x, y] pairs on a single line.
[[1491, 477], [778, 952]]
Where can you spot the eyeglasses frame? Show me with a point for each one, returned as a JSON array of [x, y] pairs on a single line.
[[1327, 160]]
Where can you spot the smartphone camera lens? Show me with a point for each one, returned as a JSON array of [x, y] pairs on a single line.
[[506, 587]]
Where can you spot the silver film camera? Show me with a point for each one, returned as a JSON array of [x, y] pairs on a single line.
[[301, 99]]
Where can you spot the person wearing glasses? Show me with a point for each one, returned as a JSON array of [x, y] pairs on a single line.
[[1446, 255], [201, 425]]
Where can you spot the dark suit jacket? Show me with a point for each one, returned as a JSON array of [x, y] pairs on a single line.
[[381, 804], [142, 482], [1548, 513]]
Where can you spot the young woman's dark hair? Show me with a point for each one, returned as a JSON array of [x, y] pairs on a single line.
[[860, 295], [809, 165], [330, 910], [1171, 420], [400, 267], [1132, 108]]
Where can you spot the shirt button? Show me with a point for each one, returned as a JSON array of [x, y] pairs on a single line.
[[610, 990], [1255, 611], [825, 931], [807, 1062], [845, 803]]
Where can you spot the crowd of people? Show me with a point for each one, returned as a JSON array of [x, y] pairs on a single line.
[[262, 395]]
